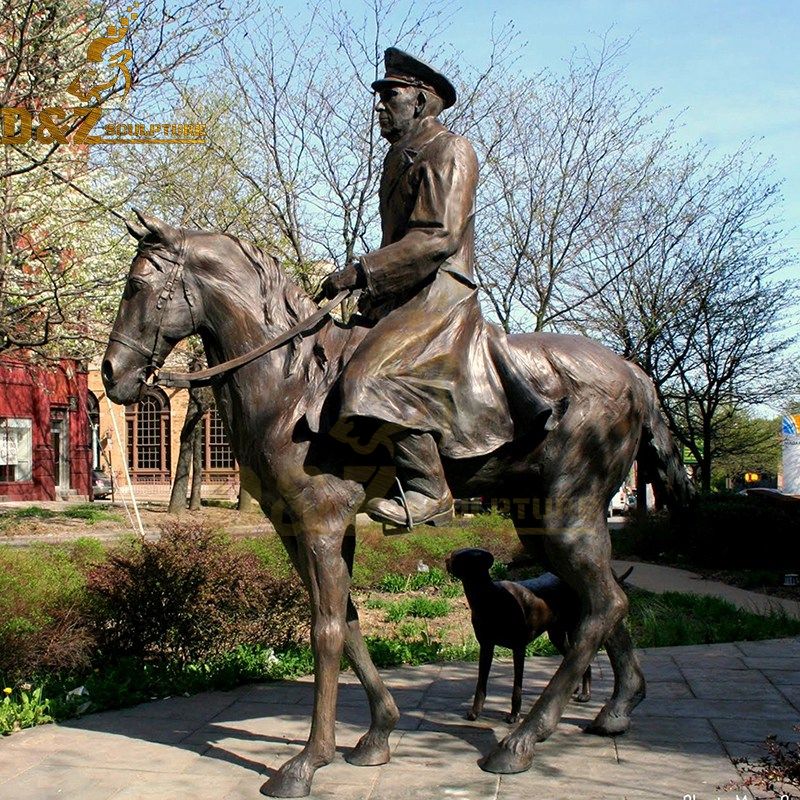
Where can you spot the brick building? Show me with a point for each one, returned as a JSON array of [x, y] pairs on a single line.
[[45, 431]]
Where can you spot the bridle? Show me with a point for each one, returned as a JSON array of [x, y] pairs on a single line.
[[174, 275], [204, 377]]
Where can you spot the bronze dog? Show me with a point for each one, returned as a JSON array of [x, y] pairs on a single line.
[[512, 614]]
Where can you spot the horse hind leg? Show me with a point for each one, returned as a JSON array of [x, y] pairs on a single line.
[[580, 553], [629, 686], [373, 747]]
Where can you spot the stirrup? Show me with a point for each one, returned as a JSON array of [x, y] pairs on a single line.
[[392, 527], [404, 503]]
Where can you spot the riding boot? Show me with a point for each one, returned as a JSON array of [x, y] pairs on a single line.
[[424, 493]]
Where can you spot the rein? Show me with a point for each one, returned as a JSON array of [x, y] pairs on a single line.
[[205, 377]]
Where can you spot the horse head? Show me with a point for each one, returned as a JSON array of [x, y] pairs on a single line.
[[157, 310]]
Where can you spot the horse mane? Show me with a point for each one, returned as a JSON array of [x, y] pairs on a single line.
[[275, 284]]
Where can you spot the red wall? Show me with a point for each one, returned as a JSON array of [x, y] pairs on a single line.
[[34, 392]]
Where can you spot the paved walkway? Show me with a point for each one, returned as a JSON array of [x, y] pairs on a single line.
[[705, 704], [656, 578]]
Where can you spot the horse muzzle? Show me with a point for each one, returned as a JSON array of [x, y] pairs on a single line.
[[124, 383]]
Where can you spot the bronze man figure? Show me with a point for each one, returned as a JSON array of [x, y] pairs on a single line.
[[430, 367]]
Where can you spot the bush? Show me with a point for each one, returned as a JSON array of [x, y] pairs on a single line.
[[192, 595], [42, 602], [719, 531]]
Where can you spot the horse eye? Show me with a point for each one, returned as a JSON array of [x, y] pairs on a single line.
[[133, 285]]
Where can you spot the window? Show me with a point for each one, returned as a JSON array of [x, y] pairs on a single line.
[[93, 408], [148, 426], [16, 450], [217, 454]]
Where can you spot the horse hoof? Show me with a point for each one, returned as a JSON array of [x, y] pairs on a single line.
[[608, 724], [471, 716], [293, 779], [581, 697], [511, 718], [504, 761], [368, 753]]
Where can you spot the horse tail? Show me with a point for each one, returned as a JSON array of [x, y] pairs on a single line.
[[660, 457]]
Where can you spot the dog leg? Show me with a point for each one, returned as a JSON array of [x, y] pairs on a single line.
[[584, 693], [485, 663]]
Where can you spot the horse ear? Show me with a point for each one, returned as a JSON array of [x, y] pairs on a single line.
[[135, 230], [160, 229]]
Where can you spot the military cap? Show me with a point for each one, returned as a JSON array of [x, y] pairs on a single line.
[[403, 69]]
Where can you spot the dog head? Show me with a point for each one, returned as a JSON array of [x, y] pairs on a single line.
[[469, 562]]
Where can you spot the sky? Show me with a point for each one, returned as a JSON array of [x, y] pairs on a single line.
[[730, 67]]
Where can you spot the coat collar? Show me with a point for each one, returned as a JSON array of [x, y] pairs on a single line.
[[410, 145]]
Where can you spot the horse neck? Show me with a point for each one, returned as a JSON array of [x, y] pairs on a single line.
[[248, 300]]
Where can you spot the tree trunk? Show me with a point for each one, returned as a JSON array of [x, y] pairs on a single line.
[[249, 489], [246, 500], [704, 461], [641, 491], [197, 467], [177, 499]]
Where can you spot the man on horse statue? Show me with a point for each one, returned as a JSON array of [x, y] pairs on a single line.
[[429, 366]]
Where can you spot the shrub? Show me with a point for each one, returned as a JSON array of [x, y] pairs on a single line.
[[42, 602], [719, 531], [192, 595]]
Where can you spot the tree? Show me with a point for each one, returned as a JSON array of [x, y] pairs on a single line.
[[701, 312], [190, 457], [59, 223], [743, 444], [563, 159]]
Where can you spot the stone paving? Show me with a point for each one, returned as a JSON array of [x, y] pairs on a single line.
[[705, 705]]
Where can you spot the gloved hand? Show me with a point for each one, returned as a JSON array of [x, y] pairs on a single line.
[[351, 277]]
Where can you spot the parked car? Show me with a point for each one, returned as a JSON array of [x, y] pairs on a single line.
[[101, 485], [622, 501]]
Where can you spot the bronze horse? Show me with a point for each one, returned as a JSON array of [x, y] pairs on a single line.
[[312, 485]]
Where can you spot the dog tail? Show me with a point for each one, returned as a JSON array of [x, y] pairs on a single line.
[[659, 456], [620, 579]]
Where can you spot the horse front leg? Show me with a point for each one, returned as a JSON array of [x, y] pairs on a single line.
[[582, 557], [372, 749], [323, 569]]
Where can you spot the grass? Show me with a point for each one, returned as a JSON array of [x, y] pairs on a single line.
[[377, 555], [426, 607], [36, 581], [397, 583], [654, 620], [673, 618], [88, 512]]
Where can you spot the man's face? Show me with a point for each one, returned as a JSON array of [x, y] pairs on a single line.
[[397, 111]]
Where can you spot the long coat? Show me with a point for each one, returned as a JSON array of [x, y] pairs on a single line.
[[431, 363]]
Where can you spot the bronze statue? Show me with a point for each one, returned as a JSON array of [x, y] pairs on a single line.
[[512, 614], [430, 367], [283, 403]]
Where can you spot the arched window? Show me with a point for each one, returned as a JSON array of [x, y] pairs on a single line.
[[148, 425], [217, 454]]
